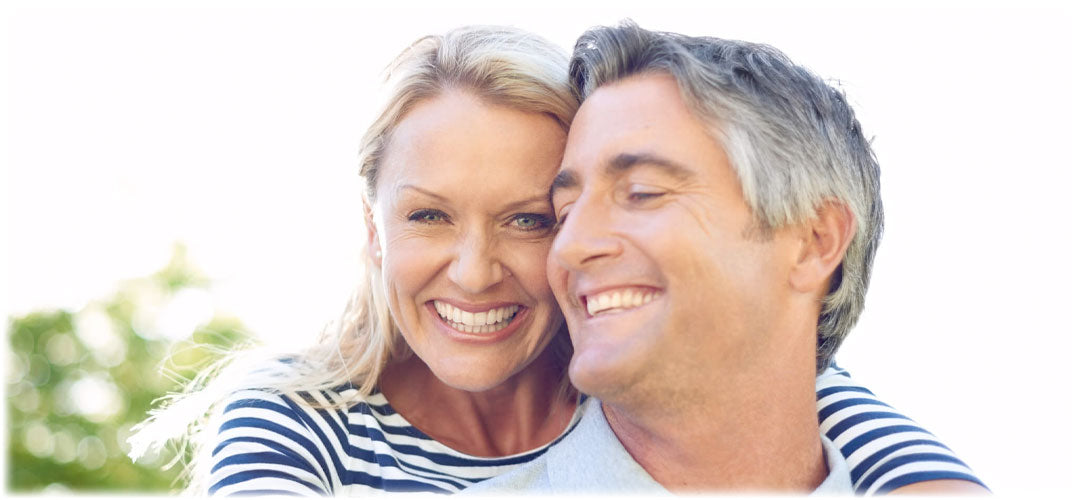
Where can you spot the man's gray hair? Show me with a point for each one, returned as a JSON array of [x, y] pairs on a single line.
[[791, 138]]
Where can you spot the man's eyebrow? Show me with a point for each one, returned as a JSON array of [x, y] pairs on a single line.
[[565, 179], [620, 164], [628, 161]]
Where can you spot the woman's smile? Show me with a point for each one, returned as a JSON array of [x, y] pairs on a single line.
[[478, 323]]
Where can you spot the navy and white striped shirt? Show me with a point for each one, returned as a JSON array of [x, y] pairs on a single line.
[[282, 444], [884, 449]]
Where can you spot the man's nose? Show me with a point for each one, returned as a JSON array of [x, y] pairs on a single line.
[[585, 235], [476, 266]]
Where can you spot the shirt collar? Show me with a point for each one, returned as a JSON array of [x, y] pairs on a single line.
[[838, 482], [591, 459]]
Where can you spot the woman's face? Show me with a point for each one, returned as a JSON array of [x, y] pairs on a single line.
[[464, 224]]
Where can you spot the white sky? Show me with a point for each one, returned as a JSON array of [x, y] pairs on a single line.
[[235, 130]]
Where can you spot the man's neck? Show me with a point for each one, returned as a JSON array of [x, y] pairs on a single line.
[[756, 431]]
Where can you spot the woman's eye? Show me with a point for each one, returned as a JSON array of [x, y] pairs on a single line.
[[428, 216], [530, 222]]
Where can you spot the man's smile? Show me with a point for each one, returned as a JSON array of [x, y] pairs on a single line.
[[616, 300]]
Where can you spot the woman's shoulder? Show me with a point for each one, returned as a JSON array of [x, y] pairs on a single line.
[[302, 403], [274, 440], [284, 380]]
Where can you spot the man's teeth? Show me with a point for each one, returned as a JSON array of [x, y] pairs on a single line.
[[478, 322], [613, 300]]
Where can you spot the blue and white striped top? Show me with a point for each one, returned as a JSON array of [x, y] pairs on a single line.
[[281, 444], [884, 449]]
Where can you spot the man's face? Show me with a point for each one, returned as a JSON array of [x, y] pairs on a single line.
[[664, 280]]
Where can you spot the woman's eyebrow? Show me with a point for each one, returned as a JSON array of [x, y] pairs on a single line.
[[422, 191], [533, 200], [517, 204]]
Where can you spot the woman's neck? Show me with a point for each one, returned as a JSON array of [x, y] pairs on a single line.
[[523, 413]]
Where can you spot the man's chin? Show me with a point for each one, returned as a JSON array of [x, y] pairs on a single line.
[[600, 374]]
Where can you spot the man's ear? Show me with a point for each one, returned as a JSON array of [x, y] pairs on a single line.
[[825, 240], [373, 246]]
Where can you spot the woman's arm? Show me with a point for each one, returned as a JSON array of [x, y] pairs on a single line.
[[941, 487], [885, 450], [264, 445]]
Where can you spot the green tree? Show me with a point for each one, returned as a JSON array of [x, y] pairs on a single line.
[[78, 381]]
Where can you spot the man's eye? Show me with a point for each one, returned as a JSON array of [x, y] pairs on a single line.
[[561, 216], [531, 222], [642, 195], [428, 216]]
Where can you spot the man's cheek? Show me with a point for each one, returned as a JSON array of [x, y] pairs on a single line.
[[556, 277]]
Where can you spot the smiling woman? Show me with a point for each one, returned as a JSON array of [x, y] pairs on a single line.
[[457, 318], [468, 248], [459, 266]]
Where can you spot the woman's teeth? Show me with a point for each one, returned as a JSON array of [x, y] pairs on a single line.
[[615, 300], [479, 322]]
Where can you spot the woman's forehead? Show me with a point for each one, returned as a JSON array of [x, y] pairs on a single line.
[[457, 146]]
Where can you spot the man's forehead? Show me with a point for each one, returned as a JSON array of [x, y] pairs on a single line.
[[633, 106]]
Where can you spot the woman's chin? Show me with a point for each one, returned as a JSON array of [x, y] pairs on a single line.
[[471, 380]]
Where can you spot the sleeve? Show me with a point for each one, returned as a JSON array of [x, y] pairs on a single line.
[[883, 448], [264, 447]]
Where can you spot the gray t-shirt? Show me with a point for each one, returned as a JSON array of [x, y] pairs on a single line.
[[590, 459]]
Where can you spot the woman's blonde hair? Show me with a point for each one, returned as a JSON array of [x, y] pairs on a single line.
[[501, 66]]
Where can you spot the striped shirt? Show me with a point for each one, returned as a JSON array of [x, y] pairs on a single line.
[[282, 444], [884, 449]]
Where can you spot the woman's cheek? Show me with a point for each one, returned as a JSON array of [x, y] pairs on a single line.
[[528, 261]]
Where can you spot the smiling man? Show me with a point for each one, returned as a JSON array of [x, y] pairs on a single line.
[[719, 212]]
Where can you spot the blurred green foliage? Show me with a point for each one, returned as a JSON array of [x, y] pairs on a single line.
[[77, 381]]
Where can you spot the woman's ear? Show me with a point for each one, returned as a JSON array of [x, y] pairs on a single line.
[[373, 246], [825, 240]]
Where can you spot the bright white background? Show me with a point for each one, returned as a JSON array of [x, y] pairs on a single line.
[[235, 130]]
